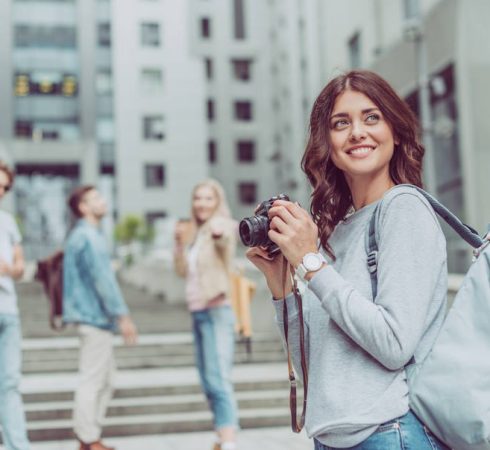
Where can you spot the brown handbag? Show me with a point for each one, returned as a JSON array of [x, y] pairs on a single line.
[[50, 274], [296, 425]]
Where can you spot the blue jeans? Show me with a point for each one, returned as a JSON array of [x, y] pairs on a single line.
[[404, 433], [214, 339], [11, 409]]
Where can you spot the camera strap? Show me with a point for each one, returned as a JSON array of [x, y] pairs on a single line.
[[296, 425]]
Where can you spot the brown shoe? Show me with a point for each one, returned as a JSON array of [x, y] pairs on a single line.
[[95, 446]]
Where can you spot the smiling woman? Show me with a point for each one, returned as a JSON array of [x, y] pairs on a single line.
[[357, 343]]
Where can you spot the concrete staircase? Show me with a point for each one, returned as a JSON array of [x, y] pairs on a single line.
[[53, 355], [157, 387], [159, 405]]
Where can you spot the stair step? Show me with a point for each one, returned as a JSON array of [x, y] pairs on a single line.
[[138, 362], [153, 391], [158, 405], [159, 423]]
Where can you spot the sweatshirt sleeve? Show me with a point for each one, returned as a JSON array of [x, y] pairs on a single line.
[[410, 259]]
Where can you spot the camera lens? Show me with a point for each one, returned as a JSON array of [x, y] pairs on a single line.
[[244, 230], [253, 231]]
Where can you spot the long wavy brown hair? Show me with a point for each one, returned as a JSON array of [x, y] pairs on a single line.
[[331, 197]]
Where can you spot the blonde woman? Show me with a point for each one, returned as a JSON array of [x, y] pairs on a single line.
[[205, 263]]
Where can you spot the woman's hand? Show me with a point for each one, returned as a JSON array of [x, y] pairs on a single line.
[[272, 268], [293, 230], [217, 226]]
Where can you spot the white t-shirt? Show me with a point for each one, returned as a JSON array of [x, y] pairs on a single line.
[[9, 237]]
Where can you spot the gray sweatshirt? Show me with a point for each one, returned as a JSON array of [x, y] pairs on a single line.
[[357, 348]]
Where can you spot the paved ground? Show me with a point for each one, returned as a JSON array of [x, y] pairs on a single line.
[[266, 438]]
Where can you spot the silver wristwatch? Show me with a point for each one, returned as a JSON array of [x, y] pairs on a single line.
[[311, 263]]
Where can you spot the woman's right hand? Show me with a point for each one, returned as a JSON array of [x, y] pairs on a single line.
[[272, 268]]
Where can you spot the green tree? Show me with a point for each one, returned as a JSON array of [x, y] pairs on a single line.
[[131, 229]]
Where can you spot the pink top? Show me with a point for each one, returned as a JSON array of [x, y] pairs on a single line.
[[192, 289]]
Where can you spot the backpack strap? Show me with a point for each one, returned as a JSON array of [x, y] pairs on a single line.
[[469, 234], [372, 253], [465, 231]]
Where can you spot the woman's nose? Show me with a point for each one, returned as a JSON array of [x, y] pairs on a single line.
[[358, 133]]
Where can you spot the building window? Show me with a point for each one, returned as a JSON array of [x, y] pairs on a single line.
[[103, 82], [106, 152], [410, 9], [150, 34], [153, 216], [23, 128], [104, 34], [212, 152], [205, 27], [44, 36], [45, 83], [245, 151], [247, 193], [243, 110], [239, 19], [210, 108], [151, 81], [241, 69], [40, 130], [209, 68], [154, 175], [153, 128], [355, 51]]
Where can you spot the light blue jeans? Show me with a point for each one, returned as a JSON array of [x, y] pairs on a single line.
[[11, 409], [404, 433], [214, 339]]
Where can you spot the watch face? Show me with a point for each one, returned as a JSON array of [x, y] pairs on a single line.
[[312, 261]]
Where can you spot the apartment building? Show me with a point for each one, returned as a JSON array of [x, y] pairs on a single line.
[[95, 93], [47, 129]]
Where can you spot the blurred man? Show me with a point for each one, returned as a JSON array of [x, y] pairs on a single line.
[[92, 300], [12, 417]]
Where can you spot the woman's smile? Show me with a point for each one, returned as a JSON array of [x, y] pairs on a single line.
[[361, 152]]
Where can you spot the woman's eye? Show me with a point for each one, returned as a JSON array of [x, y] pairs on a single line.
[[372, 118], [340, 124]]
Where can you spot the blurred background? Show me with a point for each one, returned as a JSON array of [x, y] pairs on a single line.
[[146, 97]]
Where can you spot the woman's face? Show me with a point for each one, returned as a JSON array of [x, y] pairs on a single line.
[[362, 141], [204, 203]]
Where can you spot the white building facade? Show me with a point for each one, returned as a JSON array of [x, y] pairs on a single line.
[[253, 57], [159, 109]]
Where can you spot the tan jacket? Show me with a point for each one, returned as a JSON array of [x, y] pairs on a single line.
[[214, 260]]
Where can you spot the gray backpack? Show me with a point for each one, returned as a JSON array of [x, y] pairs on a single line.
[[450, 389]]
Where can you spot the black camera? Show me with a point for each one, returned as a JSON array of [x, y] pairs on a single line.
[[253, 230]]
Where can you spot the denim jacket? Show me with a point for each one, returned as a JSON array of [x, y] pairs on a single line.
[[91, 294]]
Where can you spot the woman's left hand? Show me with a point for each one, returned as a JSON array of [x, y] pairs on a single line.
[[217, 227], [293, 230]]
